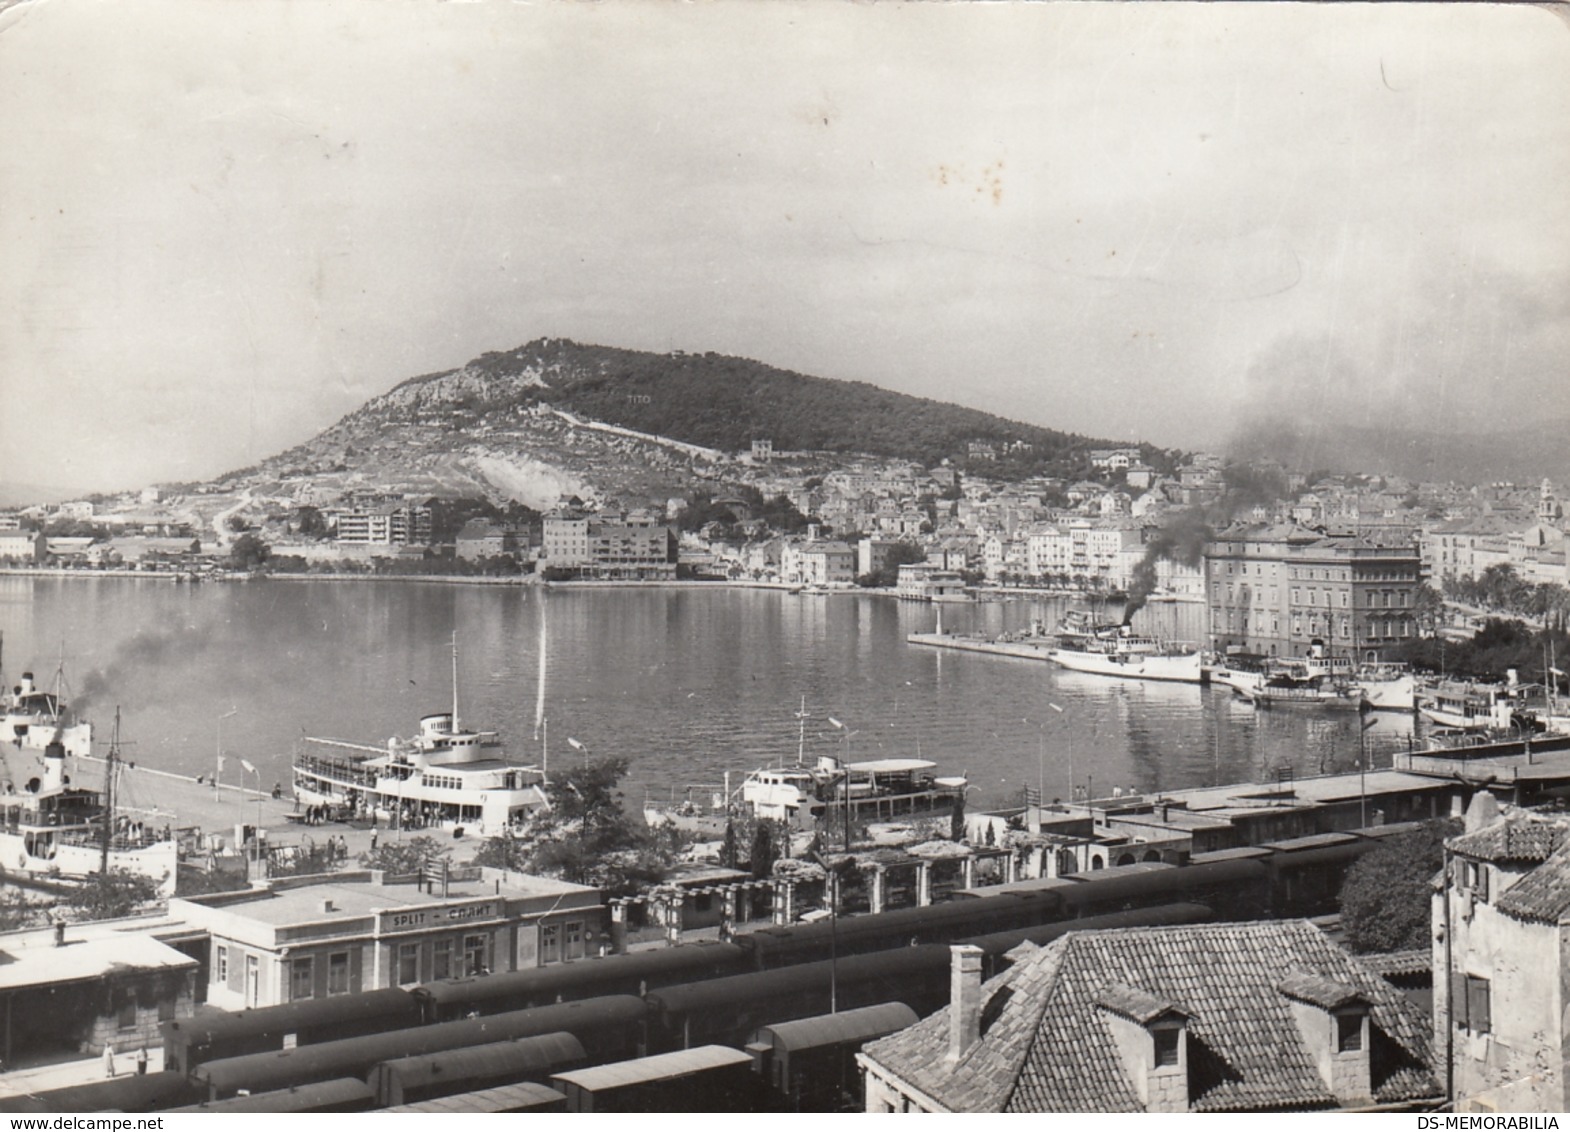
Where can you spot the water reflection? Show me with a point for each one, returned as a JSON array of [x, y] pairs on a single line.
[[684, 683]]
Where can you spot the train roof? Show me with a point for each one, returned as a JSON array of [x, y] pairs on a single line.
[[660, 1067], [722, 992], [545, 980], [354, 1056], [520, 1056], [523, 1096], [998, 943], [210, 1024], [316, 1096], [857, 1025], [132, 1093]]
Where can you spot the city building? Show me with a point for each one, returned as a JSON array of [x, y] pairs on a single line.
[[1276, 590], [319, 936], [927, 581], [631, 546], [1199, 1018], [74, 988], [1501, 958], [23, 546], [480, 538], [385, 524]]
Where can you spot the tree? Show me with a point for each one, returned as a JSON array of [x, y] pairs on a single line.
[[310, 522], [17, 911], [119, 892], [1385, 897], [400, 857], [763, 856], [730, 852], [1428, 609], [248, 552], [586, 837]]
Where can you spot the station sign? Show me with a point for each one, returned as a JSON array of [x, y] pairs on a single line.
[[437, 917]]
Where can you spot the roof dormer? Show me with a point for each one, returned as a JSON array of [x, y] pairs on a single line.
[[1152, 1039], [1333, 1021]]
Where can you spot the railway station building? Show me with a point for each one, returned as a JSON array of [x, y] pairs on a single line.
[[342, 933]]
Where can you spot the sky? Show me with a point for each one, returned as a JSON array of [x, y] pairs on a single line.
[[224, 225]]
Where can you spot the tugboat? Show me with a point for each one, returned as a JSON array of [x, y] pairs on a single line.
[[446, 776]]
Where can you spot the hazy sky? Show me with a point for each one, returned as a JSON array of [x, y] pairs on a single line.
[[223, 225]]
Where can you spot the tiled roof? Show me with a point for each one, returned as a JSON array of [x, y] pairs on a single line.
[[1543, 894], [1518, 837], [1316, 990], [1135, 1004], [1394, 964], [1047, 1046]]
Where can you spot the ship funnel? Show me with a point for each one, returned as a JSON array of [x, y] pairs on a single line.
[[54, 765]]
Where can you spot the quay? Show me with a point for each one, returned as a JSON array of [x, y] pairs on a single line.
[[1024, 650], [205, 814]]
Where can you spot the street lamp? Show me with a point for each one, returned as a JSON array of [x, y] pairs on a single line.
[[256, 836], [218, 760], [845, 784]]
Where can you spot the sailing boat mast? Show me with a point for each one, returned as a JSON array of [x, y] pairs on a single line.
[[455, 727], [801, 731], [111, 765], [542, 727]]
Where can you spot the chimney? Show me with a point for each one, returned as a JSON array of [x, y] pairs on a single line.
[[54, 765], [59, 933], [1481, 812], [964, 999]]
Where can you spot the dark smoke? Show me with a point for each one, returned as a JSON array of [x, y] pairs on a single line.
[[144, 649], [1183, 536]]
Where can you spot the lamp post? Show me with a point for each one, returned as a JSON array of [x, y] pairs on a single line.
[[256, 836], [218, 755], [845, 785]]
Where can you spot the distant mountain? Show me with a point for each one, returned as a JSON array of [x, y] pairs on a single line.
[[28, 494], [555, 418]]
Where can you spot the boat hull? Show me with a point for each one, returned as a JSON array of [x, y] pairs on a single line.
[[72, 862], [1184, 669], [1399, 694]]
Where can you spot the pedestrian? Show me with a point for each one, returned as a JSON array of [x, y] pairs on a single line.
[[141, 1062], [373, 838], [108, 1060]]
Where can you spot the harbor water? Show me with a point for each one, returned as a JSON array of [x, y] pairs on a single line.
[[684, 683]]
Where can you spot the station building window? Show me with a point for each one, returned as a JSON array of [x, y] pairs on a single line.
[[408, 963], [301, 973], [338, 973]]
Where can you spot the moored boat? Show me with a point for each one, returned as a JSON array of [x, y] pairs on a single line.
[[32, 717], [53, 831], [446, 776], [1121, 653], [1387, 687], [1314, 692], [1478, 707]]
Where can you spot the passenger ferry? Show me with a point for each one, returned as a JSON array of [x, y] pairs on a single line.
[[447, 777], [1121, 653], [52, 831], [1480, 707], [880, 789]]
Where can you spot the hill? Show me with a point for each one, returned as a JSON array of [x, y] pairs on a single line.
[[554, 418], [724, 403]]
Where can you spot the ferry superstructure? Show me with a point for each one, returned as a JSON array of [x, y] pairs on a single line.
[[447, 776]]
